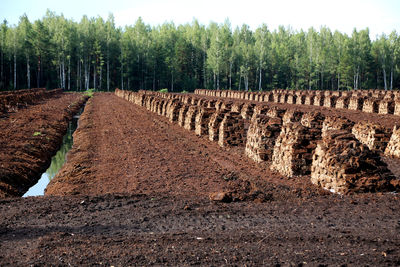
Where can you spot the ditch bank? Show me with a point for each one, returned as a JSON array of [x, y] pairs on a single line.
[[30, 137], [58, 160]]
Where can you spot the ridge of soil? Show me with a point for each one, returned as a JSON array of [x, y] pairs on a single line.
[[30, 137], [135, 191]]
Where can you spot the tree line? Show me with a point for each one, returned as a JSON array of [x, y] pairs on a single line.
[[56, 52]]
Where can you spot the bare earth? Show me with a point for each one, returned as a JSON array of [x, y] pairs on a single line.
[[135, 191]]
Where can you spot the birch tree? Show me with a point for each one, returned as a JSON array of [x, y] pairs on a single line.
[[262, 48], [3, 51]]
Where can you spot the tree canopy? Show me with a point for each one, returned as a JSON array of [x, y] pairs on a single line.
[[56, 52]]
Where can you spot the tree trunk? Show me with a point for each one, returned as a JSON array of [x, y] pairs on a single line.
[[108, 66], [2, 82], [84, 74], [122, 72], [215, 83], [154, 77], [230, 75], [11, 71], [38, 72], [384, 78], [108, 73], [59, 75], [204, 69], [69, 73], [309, 80], [94, 75], [28, 72], [15, 70], [63, 73], [322, 80], [259, 83], [172, 81], [100, 80], [391, 78], [78, 76], [88, 80], [357, 76]]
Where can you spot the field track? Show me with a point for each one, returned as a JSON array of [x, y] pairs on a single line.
[[135, 191]]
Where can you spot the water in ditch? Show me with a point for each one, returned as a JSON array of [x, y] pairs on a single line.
[[57, 161]]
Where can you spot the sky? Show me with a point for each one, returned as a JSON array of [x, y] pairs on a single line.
[[381, 16]]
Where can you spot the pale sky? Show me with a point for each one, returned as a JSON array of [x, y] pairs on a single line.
[[381, 16]]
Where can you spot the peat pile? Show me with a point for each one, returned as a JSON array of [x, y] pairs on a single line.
[[30, 137], [343, 164]]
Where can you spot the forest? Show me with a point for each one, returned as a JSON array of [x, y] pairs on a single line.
[[56, 52]]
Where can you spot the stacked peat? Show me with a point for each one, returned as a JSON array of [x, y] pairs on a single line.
[[214, 123], [386, 106], [261, 136], [393, 147], [343, 102], [292, 115], [182, 115], [232, 130], [371, 135], [336, 123], [342, 164], [202, 120], [247, 111], [371, 105], [190, 118], [293, 149]]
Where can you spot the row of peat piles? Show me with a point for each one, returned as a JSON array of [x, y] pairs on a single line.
[[370, 101], [338, 154]]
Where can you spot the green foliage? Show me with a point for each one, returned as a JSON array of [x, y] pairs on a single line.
[[89, 92], [57, 52], [37, 133], [184, 92], [165, 90]]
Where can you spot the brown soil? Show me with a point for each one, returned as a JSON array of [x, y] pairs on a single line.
[[30, 137], [15, 100], [135, 191]]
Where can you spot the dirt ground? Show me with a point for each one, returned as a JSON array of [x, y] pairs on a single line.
[[135, 191]]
